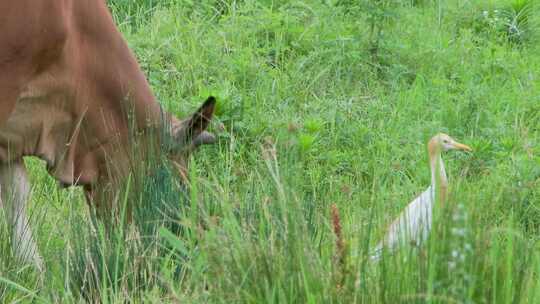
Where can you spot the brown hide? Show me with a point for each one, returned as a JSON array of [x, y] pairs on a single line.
[[66, 79]]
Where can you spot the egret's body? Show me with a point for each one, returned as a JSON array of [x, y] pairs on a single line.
[[414, 223]]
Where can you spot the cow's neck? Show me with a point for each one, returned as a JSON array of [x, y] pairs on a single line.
[[121, 84]]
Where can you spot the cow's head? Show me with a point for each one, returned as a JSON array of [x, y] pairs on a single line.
[[188, 134], [179, 138]]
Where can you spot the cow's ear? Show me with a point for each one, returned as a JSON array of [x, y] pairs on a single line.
[[194, 130]]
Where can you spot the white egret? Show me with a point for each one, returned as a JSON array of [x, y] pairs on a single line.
[[414, 223]]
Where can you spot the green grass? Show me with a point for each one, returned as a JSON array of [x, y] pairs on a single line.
[[323, 102]]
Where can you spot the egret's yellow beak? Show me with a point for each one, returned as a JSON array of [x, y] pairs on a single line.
[[463, 147]]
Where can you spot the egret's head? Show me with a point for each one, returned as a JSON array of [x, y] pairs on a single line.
[[443, 142]]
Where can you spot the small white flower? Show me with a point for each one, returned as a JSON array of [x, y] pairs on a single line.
[[458, 231], [457, 217]]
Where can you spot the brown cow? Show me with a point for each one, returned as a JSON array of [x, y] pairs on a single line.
[[66, 79]]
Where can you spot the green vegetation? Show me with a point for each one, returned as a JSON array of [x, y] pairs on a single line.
[[323, 103]]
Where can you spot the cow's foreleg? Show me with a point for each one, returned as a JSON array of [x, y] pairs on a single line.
[[14, 190]]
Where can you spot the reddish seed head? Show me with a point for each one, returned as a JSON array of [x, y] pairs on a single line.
[[336, 221]]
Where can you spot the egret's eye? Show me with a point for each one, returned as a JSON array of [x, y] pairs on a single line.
[[445, 141]]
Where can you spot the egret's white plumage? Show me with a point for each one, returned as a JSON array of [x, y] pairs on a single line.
[[414, 223]]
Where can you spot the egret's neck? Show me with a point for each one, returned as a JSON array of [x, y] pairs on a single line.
[[438, 174]]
